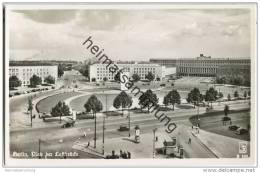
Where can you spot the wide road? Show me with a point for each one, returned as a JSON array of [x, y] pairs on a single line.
[[27, 140]]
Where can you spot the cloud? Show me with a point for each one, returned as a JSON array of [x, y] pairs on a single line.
[[133, 33], [48, 16], [99, 19]]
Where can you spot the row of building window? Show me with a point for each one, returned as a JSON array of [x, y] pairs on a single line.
[[197, 70], [211, 62]]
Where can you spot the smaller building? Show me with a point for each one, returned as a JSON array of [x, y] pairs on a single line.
[[99, 71], [25, 72], [165, 62]]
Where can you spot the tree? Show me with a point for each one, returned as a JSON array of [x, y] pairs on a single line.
[[226, 118], [14, 82], [149, 76], [220, 95], [172, 98], [229, 97], [148, 98], [221, 80], [61, 109], [117, 77], [94, 105], [49, 79], [93, 79], [194, 96], [122, 100], [226, 110], [84, 70], [35, 80], [211, 95], [236, 94], [105, 79], [166, 101], [60, 70], [136, 77]]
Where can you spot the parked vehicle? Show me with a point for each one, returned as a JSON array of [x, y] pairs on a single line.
[[123, 128], [69, 123], [17, 93], [233, 128], [241, 131]]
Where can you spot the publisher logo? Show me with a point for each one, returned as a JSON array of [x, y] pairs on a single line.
[[242, 147]]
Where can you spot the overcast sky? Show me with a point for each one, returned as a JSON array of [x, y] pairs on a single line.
[[129, 34]]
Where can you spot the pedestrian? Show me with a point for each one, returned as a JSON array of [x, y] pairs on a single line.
[[121, 153], [88, 144], [124, 155], [128, 155], [189, 141]]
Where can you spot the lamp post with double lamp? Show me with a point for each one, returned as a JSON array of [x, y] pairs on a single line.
[[154, 130]]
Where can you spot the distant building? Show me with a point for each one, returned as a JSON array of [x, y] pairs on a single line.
[[98, 71], [165, 62], [207, 66], [26, 71]]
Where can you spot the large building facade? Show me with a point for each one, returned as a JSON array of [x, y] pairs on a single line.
[[99, 71], [24, 73], [204, 65], [207, 66]]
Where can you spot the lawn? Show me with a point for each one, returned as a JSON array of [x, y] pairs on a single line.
[[46, 104]]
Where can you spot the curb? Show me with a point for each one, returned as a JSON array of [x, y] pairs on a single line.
[[202, 143]]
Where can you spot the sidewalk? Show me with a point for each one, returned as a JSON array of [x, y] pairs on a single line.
[[222, 146], [144, 149]]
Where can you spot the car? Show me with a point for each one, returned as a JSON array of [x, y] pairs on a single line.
[[69, 123], [123, 128], [17, 93], [233, 127], [241, 131]]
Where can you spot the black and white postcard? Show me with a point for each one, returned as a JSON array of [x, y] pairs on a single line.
[[158, 85]]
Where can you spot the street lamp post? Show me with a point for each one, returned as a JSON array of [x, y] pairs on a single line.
[[30, 108], [154, 130], [198, 112], [39, 148], [104, 119], [129, 125], [95, 133], [103, 140]]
